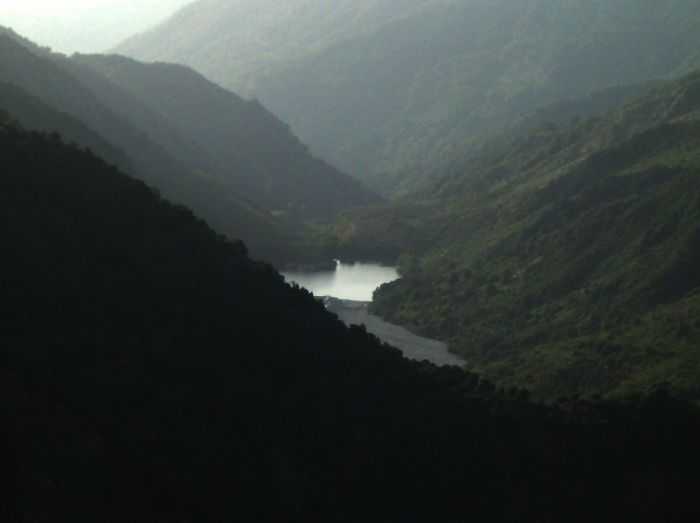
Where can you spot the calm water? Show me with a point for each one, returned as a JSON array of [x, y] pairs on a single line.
[[350, 287], [355, 281]]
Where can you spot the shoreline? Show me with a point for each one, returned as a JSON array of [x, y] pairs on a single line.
[[413, 346]]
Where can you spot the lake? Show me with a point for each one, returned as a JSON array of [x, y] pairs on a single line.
[[349, 281], [347, 292]]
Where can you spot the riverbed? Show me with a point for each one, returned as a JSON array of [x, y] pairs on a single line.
[[347, 291]]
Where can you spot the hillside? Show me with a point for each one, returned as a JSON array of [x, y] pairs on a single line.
[[39, 76], [245, 173], [36, 114], [150, 371], [389, 90], [565, 261], [238, 142]]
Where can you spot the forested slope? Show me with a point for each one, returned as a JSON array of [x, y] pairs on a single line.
[[238, 142], [232, 161], [389, 90], [150, 371], [567, 259], [38, 75], [36, 114]]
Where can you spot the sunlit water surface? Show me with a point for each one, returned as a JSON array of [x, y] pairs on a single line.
[[356, 281], [351, 286]]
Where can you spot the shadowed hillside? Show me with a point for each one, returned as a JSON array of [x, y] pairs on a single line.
[[237, 141], [230, 160], [150, 371]]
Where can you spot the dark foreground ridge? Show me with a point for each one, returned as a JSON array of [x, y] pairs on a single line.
[[228, 159], [150, 371]]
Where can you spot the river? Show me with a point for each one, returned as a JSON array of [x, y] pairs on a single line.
[[347, 291]]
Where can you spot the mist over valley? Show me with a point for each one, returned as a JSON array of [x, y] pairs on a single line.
[[380, 260]]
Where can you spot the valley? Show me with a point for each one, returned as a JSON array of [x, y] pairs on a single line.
[[394, 261], [139, 377], [391, 91], [530, 255], [412, 346], [230, 160], [347, 291]]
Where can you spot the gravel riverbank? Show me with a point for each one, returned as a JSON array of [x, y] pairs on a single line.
[[414, 347]]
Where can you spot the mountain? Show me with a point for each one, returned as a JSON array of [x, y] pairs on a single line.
[[151, 371], [567, 260], [39, 76], [244, 172], [36, 114], [388, 90], [237, 142]]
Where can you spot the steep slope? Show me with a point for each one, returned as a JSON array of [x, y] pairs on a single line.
[[42, 75], [36, 114], [293, 29], [231, 160], [396, 87], [566, 261], [149, 371], [238, 142]]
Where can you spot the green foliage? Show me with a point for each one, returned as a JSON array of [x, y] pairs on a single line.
[[230, 160], [390, 90], [236, 142], [543, 261], [150, 371], [38, 115]]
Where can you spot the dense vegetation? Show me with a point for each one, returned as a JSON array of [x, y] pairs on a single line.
[[237, 142], [230, 160], [566, 260], [150, 371], [36, 114], [396, 87]]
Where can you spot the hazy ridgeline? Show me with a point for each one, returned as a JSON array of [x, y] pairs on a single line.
[[229, 159], [543, 160], [387, 89]]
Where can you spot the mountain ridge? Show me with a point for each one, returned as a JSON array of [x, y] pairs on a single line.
[[150, 370], [387, 91], [170, 156], [550, 262], [222, 124]]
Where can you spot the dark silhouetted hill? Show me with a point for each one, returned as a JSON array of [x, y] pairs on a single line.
[[245, 173], [150, 371]]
